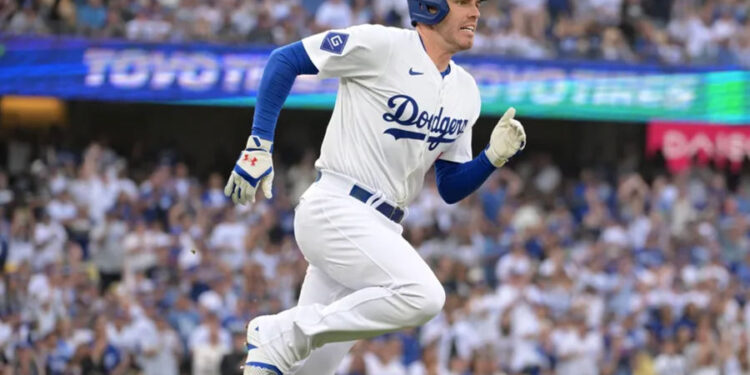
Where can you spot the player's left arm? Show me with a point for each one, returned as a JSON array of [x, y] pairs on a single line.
[[456, 180]]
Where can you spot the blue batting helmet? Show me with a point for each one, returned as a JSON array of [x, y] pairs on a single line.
[[428, 12]]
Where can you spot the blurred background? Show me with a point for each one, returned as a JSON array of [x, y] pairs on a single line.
[[617, 243]]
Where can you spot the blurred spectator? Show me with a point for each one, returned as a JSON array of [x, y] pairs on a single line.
[[651, 31], [27, 21], [149, 27], [361, 12], [7, 9], [101, 356], [162, 351], [262, 33], [49, 240], [333, 14], [614, 47], [669, 361], [231, 363], [107, 249], [114, 26], [92, 16], [209, 346], [530, 16], [26, 361], [545, 271]]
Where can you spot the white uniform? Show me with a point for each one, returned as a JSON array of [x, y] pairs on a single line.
[[395, 114]]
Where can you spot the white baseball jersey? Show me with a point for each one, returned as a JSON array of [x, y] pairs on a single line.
[[395, 113]]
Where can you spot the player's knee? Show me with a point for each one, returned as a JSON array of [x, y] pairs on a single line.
[[430, 300], [436, 300]]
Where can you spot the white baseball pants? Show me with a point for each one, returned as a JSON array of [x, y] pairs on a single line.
[[364, 279]]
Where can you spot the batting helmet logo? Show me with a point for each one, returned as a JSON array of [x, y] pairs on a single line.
[[428, 12]]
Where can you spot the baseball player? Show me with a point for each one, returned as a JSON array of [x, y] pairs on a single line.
[[402, 106]]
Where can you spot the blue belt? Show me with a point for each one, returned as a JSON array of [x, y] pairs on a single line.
[[394, 214]]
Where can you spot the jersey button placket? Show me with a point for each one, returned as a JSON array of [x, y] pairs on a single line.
[[435, 110], [440, 101], [425, 142]]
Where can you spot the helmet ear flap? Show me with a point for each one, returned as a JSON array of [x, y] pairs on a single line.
[[428, 12]]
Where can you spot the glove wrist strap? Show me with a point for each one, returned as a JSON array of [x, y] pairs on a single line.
[[254, 141], [496, 160]]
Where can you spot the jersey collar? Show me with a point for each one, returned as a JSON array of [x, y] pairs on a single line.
[[444, 72]]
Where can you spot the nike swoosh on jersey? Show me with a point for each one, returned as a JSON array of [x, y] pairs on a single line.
[[412, 72]]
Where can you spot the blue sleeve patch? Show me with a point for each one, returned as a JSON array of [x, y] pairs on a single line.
[[334, 42]]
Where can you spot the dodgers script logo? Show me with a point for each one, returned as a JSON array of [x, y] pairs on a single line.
[[406, 113]]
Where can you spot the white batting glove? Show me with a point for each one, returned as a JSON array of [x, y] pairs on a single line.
[[506, 140], [254, 167]]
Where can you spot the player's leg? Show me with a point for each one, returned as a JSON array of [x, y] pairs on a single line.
[[320, 288], [362, 250]]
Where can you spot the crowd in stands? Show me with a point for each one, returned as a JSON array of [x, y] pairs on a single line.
[[111, 269], [715, 32]]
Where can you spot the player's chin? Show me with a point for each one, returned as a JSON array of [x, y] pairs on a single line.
[[465, 44], [466, 39]]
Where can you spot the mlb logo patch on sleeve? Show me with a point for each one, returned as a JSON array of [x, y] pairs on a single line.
[[334, 42]]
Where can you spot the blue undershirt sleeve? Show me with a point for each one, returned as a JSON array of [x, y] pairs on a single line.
[[282, 68], [455, 181]]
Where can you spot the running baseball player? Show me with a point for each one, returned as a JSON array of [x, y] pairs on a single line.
[[402, 106]]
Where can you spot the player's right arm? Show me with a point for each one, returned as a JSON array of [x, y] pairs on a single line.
[[254, 166], [357, 51]]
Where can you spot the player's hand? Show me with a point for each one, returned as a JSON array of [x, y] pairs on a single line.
[[506, 140], [253, 168]]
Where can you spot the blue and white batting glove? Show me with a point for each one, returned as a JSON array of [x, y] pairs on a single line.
[[253, 168], [507, 139]]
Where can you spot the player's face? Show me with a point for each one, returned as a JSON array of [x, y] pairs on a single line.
[[458, 27]]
